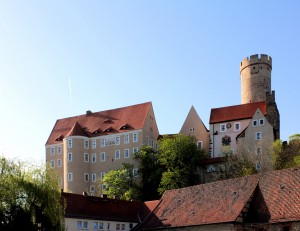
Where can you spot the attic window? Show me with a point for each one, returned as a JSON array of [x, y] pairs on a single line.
[[97, 131], [107, 121], [60, 138], [110, 129], [125, 127]]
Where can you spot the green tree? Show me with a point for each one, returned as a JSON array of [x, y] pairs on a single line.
[[150, 172], [179, 158], [121, 183], [30, 197], [287, 154]]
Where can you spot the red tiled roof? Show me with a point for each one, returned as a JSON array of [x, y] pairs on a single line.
[[95, 124], [237, 112], [90, 207], [224, 201]]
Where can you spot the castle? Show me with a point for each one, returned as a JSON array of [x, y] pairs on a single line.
[[83, 148]]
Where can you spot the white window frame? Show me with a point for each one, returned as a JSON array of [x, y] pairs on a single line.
[[254, 123], [70, 143], [59, 163], [52, 163], [147, 140], [95, 226], [126, 153], [117, 154], [135, 150], [52, 151], [135, 137], [257, 165], [123, 227], [86, 157], [102, 174], [59, 150], [126, 139], [86, 177], [263, 122], [70, 157], [79, 225], [94, 177], [86, 144], [103, 187], [101, 226], [102, 142], [70, 176], [222, 127], [108, 226], [117, 139], [201, 144], [237, 124], [258, 135], [94, 144], [85, 225], [102, 156], [135, 172], [92, 188], [94, 158], [118, 226]]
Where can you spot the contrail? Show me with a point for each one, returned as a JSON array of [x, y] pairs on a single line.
[[70, 90]]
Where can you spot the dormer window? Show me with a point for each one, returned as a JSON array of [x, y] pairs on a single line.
[[125, 127], [107, 121], [97, 131]]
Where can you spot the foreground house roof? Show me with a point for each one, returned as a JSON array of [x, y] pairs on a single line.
[[237, 112], [268, 198], [100, 123]]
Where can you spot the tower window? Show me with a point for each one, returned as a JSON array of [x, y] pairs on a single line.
[[258, 136]]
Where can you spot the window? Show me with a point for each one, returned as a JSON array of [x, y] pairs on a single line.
[[52, 163], [102, 174], [135, 137], [237, 126], [86, 177], [79, 224], [103, 187], [257, 166], [117, 154], [258, 136], [86, 144], [86, 157], [70, 176], [108, 226], [258, 151], [101, 225], [70, 157], [130, 226], [94, 144], [135, 172], [93, 157], [261, 122], [147, 140], [126, 153], [126, 139], [60, 181], [152, 144], [85, 225], [69, 143], [52, 150], [123, 227], [254, 123], [192, 129], [59, 150], [94, 177], [102, 156], [95, 225], [135, 150], [103, 142], [226, 140], [222, 127], [199, 145], [118, 227], [117, 140], [92, 188], [59, 163]]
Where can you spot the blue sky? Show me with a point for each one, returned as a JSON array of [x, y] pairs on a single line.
[[61, 58]]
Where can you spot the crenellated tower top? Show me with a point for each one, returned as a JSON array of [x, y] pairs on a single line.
[[255, 78]]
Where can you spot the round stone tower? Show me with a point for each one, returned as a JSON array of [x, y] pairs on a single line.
[[255, 78]]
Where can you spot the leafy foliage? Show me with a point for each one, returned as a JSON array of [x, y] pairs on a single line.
[[150, 172], [29, 197], [179, 158], [121, 183]]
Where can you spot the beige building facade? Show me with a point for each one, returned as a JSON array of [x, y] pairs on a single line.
[[82, 149]]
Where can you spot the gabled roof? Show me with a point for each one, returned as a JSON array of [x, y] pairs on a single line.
[[90, 207], [237, 112], [277, 192], [194, 118], [95, 124]]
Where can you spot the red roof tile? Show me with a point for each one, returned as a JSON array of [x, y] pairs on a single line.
[[224, 201], [90, 207], [237, 112], [88, 124]]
